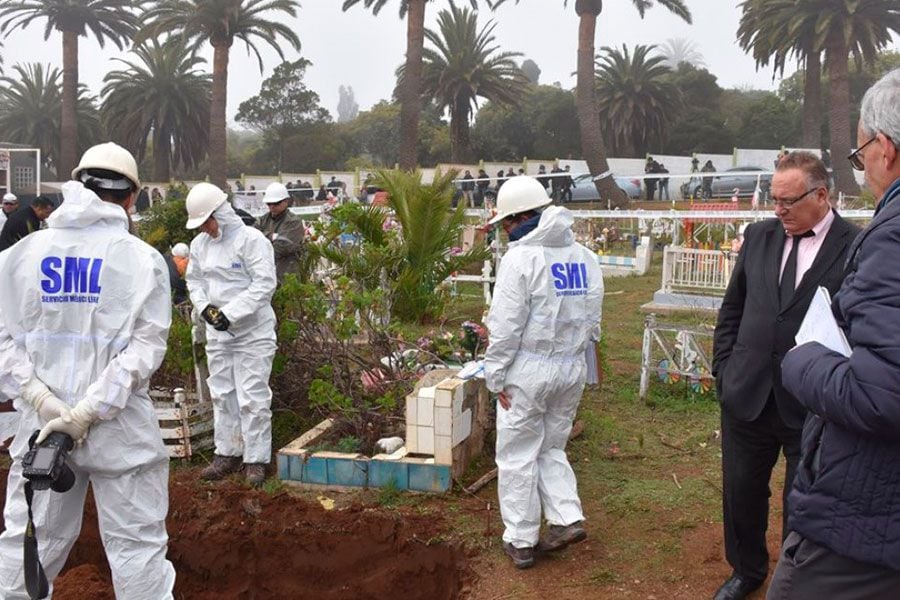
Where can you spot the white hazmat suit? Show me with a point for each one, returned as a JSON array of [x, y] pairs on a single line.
[[85, 309], [545, 310], [236, 272]]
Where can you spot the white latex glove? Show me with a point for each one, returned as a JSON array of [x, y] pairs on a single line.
[[75, 422], [45, 402], [52, 408]]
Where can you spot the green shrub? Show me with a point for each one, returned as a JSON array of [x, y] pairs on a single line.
[[162, 226], [430, 229]]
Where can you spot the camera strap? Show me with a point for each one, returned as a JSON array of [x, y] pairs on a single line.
[[35, 579]]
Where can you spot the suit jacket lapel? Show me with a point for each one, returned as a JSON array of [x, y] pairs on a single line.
[[834, 243], [774, 250]]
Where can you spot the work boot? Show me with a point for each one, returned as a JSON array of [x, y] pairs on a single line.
[[255, 473], [220, 467], [558, 537], [523, 558]]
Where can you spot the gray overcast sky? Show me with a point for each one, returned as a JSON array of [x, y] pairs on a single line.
[[357, 49]]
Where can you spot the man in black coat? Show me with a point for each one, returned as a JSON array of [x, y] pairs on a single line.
[[468, 189], [542, 177], [650, 182], [781, 263], [556, 182], [566, 183], [24, 221]]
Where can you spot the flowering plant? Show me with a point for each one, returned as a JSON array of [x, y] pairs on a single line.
[[474, 338], [466, 344]]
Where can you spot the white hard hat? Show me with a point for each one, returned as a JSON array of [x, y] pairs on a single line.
[[10, 197], [108, 157], [276, 192], [203, 199], [519, 194], [181, 249]]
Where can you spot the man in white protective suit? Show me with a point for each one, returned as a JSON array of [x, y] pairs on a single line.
[[83, 325], [545, 310], [231, 279]]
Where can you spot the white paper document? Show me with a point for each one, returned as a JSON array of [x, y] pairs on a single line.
[[820, 326]]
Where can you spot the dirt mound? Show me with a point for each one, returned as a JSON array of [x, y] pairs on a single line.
[[230, 542], [83, 581]]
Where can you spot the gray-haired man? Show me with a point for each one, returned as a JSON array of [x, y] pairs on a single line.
[[844, 515]]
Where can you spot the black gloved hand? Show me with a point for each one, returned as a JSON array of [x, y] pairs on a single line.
[[215, 317]]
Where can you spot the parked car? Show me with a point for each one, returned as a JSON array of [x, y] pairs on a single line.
[[724, 185], [586, 191], [692, 188]]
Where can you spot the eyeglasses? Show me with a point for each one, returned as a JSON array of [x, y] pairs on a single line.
[[855, 158], [789, 202]]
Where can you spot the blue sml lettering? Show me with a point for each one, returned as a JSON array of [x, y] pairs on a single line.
[[52, 281], [569, 276], [559, 275], [79, 275]]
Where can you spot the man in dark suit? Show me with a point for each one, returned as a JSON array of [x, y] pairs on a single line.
[[781, 263], [24, 221]]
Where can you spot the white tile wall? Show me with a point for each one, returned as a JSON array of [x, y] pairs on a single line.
[[411, 403], [443, 397], [435, 423], [425, 412], [425, 440], [412, 438], [462, 427], [443, 421]]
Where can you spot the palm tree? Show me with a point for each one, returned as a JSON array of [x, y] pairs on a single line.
[[112, 20], [30, 112], [163, 95], [768, 38], [463, 65], [679, 50], [636, 101], [839, 28], [588, 117], [409, 93], [221, 22]]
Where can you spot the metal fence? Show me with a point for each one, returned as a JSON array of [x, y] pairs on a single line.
[[676, 353], [687, 270]]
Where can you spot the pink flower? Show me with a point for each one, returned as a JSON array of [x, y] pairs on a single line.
[[373, 379]]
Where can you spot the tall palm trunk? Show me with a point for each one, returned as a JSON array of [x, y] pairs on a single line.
[[218, 155], [68, 127], [162, 153], [460, 151], [628, 147], [812, 102], [411, 87], [588, 114], [839, 113]]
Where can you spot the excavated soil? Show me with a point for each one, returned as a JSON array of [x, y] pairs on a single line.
[[230, 542]]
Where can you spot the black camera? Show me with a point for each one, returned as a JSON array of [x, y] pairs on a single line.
[[45, 464]]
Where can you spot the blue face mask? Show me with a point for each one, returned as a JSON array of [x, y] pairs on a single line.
[[524, 228]]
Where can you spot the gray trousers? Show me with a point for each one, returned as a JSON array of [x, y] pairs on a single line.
[[808, 571]]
